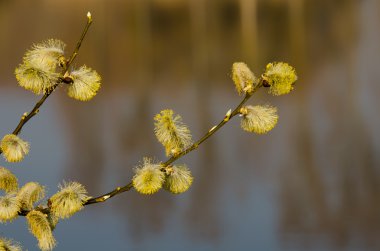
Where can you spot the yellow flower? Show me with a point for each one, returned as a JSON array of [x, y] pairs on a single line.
[[258, 119], [178, 179], [9, 207], [86, 83], [38, 72], [8, 181], [29, 194], [68, 200], [14, 148], [35, 79], [171, 132], [9, 245], [46, 55], [280, 77], [243, 78], [148, 178], [39, 226]]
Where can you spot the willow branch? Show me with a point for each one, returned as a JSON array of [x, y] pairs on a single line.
[[191, 148], [75, 53], [27, 116], [106, 196]]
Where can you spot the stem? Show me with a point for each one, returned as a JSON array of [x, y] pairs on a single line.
[[27, 116], [75, 53], [33, 112], [106, 196], [194, 146]]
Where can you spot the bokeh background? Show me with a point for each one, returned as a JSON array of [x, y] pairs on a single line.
[[313, 183]]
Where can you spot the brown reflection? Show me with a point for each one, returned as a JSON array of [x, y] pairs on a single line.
[[331, 189], [202, 214], [144, 214], [149, 50]]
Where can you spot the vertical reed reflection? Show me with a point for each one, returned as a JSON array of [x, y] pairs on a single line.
[[203, 206]]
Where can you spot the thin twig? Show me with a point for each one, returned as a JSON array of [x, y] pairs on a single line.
[[27, 116], [75, 53], [194, 146]]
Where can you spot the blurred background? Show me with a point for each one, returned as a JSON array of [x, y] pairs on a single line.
[[313, 183]]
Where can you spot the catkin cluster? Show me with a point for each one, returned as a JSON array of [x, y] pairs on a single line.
[[279, 77], [175, 136], [43, 68], [151, 177], [63, 204]]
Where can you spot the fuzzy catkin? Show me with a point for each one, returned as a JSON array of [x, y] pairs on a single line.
[[178, 179], [39, 226], [171, 132], [29, 194], [280, 77], [8, 181], [69, 200], [38, 71], [243, 77], [258, 119], [9, 207], [85, 85], [14, 148], [148, 178], [9, 245]]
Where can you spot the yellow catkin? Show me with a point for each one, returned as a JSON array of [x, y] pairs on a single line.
[[38, 71], [258, 119], [86, 83], [14, 148], [171, 132], [9, 207], [68, 200], [29, 194], [280, 77], [35, 79], [9, 245], [148, 178], [8, 181], [243, 77], [39, 226], [45, 55], [178, 179]]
